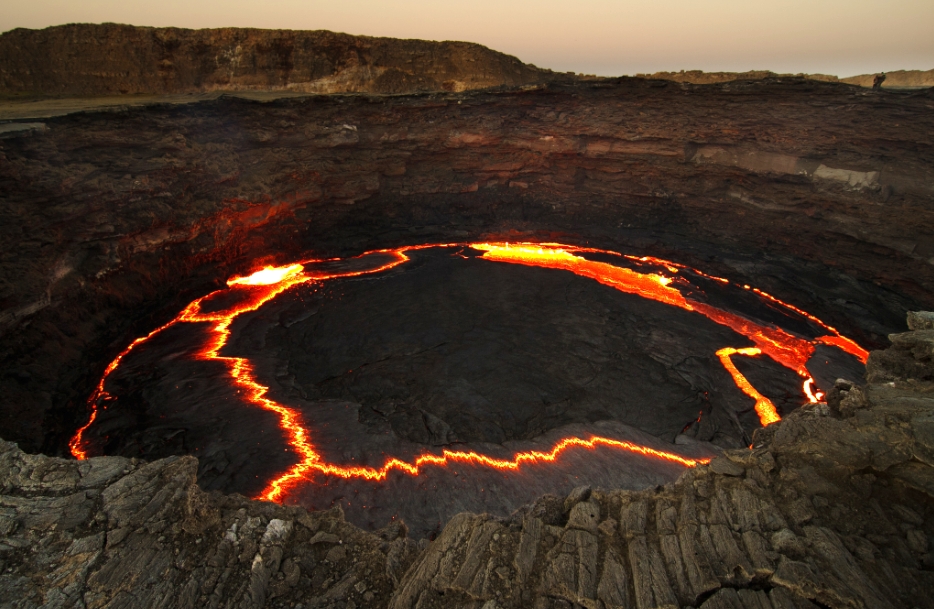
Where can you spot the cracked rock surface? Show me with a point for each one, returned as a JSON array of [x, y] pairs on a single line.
[[831, 507]]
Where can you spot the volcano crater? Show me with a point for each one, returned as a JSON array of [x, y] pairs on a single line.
[[447, 351], [119, 220]]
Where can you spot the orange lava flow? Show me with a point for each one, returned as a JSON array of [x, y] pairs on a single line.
[[764, 406], [268, 276], [845, 344], [651, 286], [255, 290], [813, 396], [786, 349], [837, 340]]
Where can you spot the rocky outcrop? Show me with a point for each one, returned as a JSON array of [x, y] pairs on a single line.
[[903, 79], [832, 507], [699, 77], [109, 59], [909, 79], [911, 355]]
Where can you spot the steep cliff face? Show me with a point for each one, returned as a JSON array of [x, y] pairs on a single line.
[[88, 59]]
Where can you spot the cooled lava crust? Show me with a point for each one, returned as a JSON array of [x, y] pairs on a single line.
[[113, 222]]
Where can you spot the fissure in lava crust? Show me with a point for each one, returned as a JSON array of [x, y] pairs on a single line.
[[251, 292]]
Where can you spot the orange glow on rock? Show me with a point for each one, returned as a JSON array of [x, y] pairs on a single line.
[[77, 444], [255, 290]]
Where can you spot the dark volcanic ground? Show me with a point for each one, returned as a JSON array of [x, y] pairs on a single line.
[[453, 351]]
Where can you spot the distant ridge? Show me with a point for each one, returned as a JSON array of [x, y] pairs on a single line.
[[897, 79], [113, 59]]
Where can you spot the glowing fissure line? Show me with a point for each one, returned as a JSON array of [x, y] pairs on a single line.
[[654, 287], [76, 445], [276, 490], [268, 283], [764, 406], [843, 343], [268, 276], [287, 278]]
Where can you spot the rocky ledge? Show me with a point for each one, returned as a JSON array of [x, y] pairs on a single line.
[[832, 507]]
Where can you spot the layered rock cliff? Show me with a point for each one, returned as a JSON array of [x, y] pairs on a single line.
[[108, 59], [832, 507]]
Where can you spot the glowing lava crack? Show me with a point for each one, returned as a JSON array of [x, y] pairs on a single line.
[[253, 291]]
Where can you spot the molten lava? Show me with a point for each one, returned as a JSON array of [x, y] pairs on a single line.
[[764, 406], [268, 276], [653, 287], [253, 291]]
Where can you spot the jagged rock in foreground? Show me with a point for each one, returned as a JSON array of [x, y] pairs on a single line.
[[897, 78], [114, 532], [832, 507], [112, 59]]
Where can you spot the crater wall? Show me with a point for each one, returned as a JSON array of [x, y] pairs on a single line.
[[112, 221]]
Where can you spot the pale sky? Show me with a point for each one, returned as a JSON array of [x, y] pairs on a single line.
[[604, 37]]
